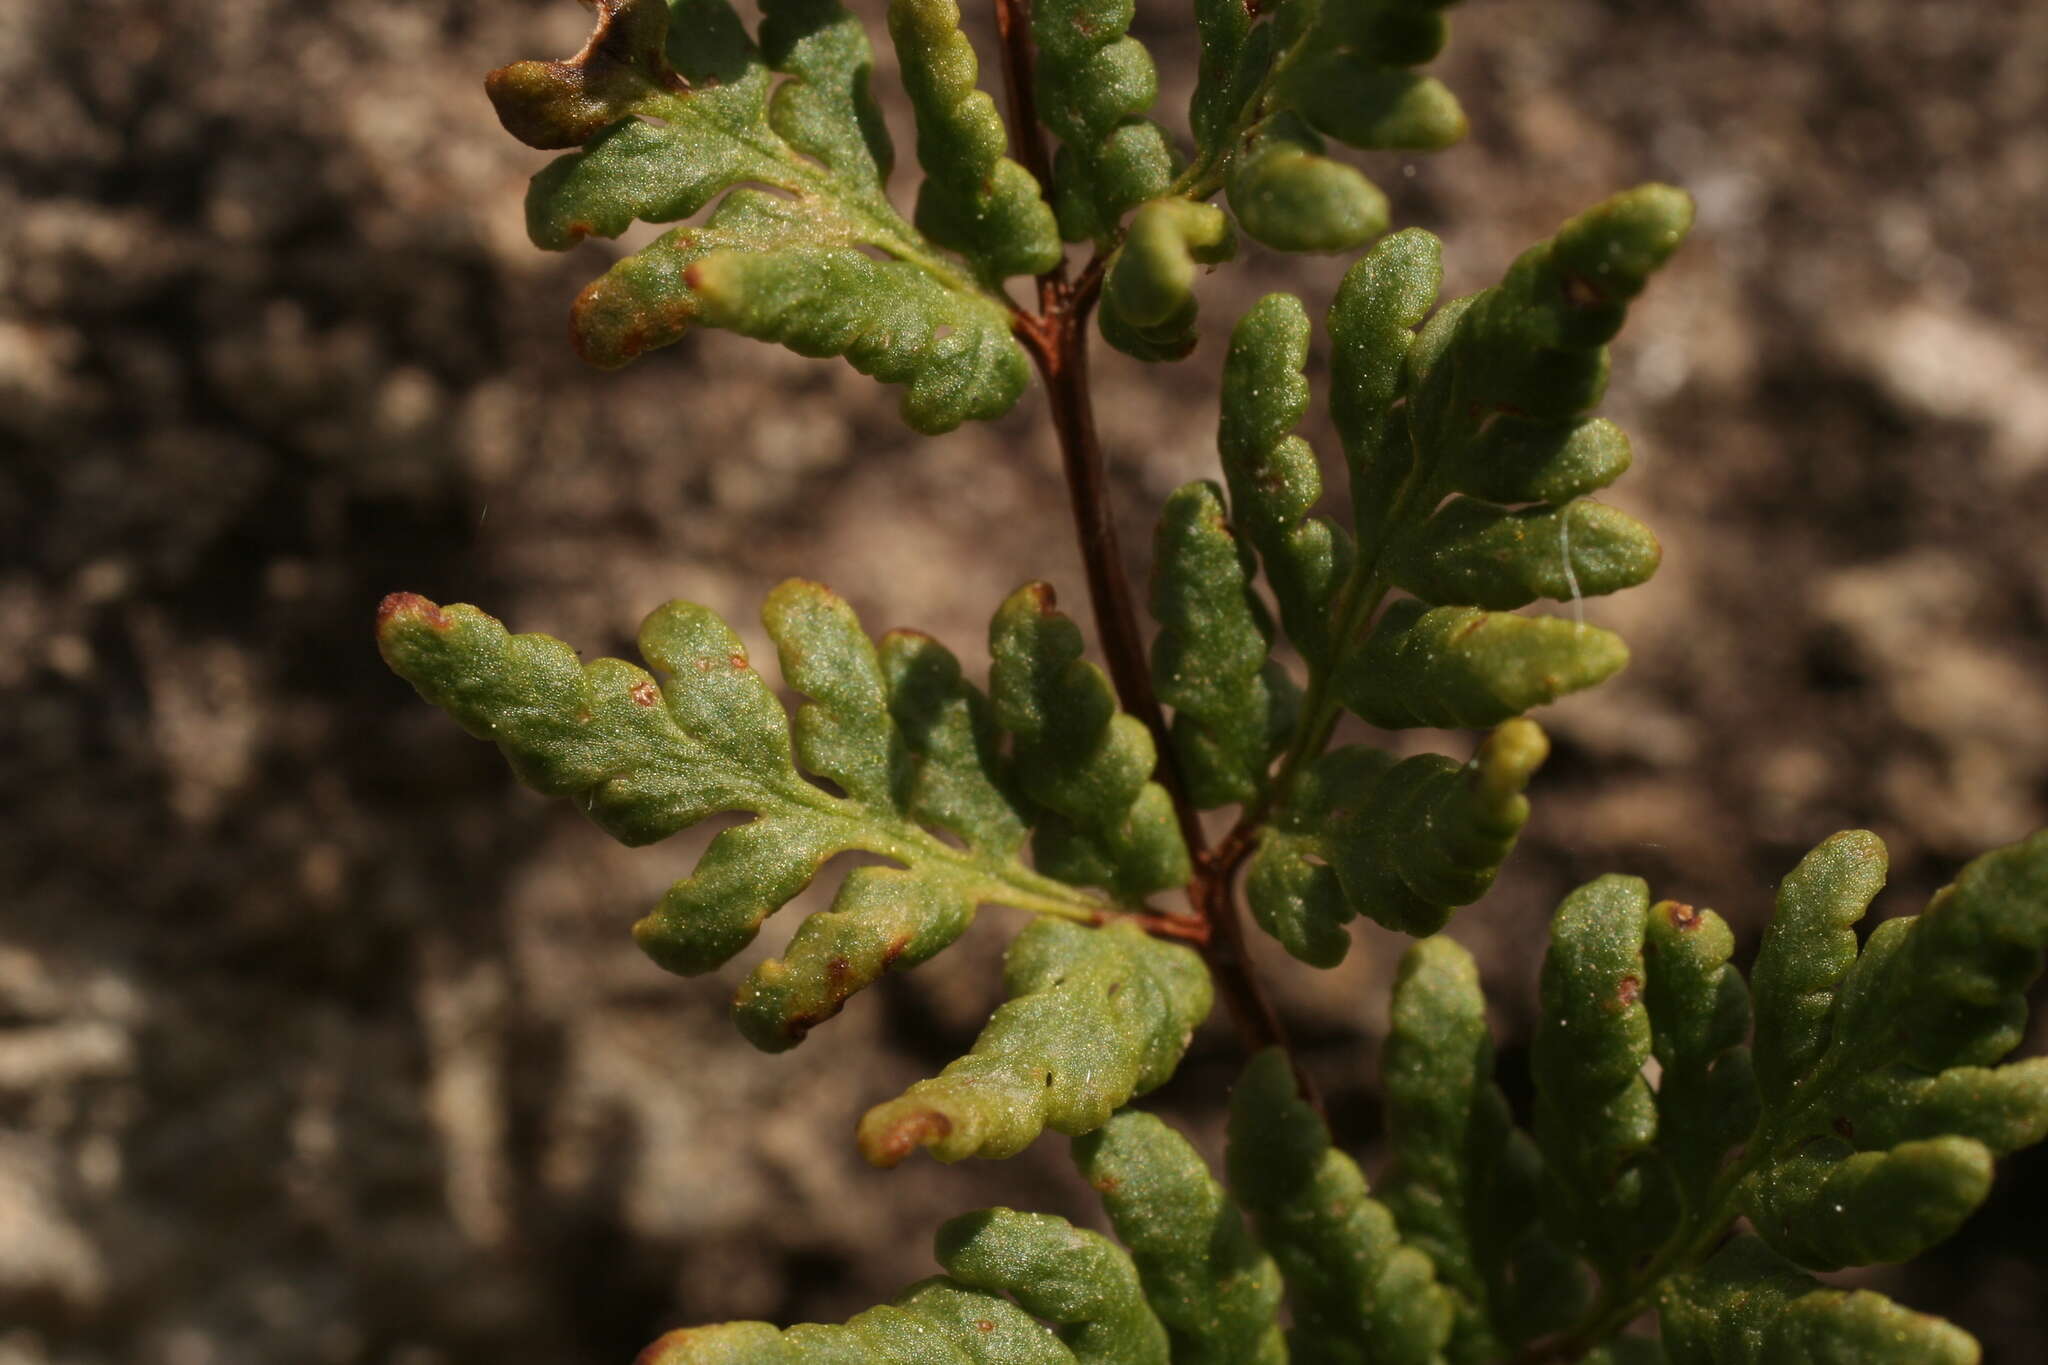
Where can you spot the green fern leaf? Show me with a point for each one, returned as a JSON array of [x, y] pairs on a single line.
[[671, 110], [1095, 1016], [1466, 1181], [1358, 1292], [1274, 78], [1401, 843], [1234, 706], [1232, 63], [1460, 667], [1087, 764], [1094, 83], [1007, 1271], [1480, 554], [1750, 1306], [1699, 1021], [1075, 1279], [1289, 196], [1596, 1116], [958, 779], [1882, 1108], [1148, 290], [1209, 1283], [937, 1322], [1383, 298], [902, 735], [974, 200], [1421, 415], [1490, 403], [1272, 473], [1809, 948]]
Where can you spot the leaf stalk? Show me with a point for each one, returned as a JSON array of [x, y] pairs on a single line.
[[1057, 339]]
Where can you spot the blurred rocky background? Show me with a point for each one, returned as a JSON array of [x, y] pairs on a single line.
[[321, 1042]]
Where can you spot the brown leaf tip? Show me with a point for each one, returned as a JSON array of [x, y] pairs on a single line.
[[1683, 917], [906, 1135], [412, 605], [667, 1346], [555, 105]]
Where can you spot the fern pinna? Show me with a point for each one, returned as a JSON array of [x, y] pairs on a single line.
[[1846, 1101]]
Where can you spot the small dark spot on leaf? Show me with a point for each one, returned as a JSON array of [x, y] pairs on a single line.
[[738, 660], [1580, 292], [1629, 991], [1115, 987], [1844, 1127], [1106, 1184], [837, 968], [644, 692], [984, 1325]]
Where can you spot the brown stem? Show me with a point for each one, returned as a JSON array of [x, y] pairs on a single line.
[[1057, 340], [1027, 134], [1183, 928], [1064, 364], [1230, 964]]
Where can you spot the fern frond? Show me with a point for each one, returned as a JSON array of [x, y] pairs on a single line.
[[675, 109]]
